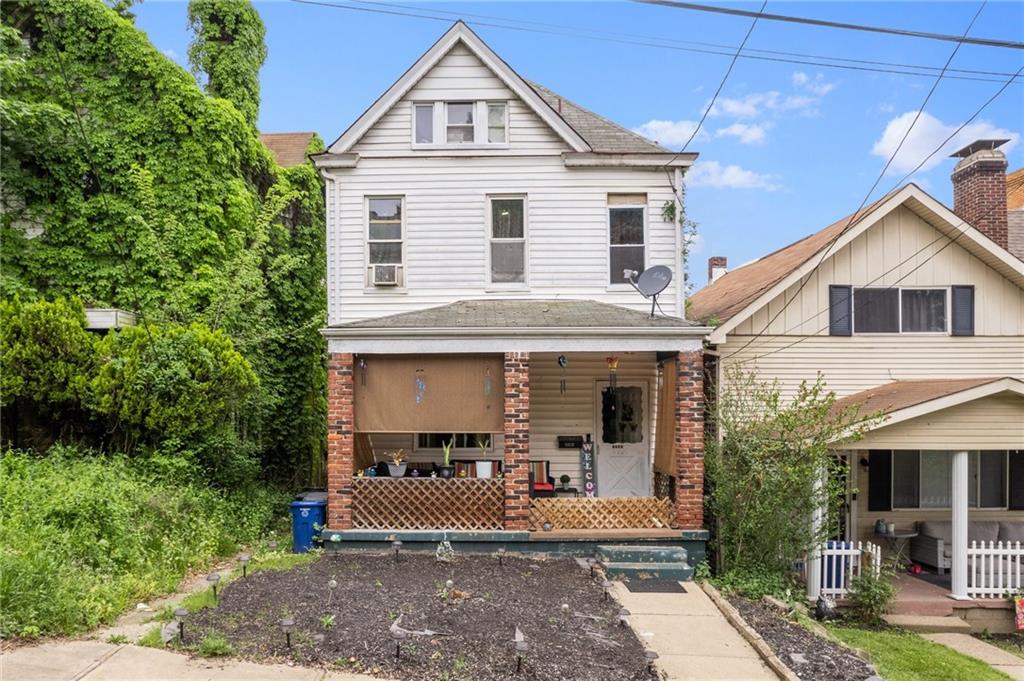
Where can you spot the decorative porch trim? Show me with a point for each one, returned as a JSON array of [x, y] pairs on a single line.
[[601, 513], [427, 504]]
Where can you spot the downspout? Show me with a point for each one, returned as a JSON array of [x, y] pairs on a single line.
[[680, 288]]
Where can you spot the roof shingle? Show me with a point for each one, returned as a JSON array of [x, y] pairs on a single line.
[[898, 395], [289, 148]]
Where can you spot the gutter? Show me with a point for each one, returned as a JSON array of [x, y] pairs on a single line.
[[363, 332]]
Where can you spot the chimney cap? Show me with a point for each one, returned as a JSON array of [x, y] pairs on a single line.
[[978, 145]]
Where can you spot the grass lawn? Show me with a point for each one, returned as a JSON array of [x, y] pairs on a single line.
[[1011, 644], [905, 656]]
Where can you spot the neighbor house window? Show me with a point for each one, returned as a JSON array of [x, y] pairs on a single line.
[[497, 123], [626, 218], [895, 310], [924, 479], [459, 122], [424, 114], [508, 240], [384, 232]]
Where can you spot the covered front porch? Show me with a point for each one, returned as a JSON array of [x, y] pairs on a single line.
[[584, 419], [938, 486]]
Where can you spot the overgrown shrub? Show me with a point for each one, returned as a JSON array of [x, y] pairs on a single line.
[[83, 536], [772, 470], [872, 594], [755, 584]]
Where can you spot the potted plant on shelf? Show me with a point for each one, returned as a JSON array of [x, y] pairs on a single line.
[[564, 479], [447, 470], [484, 468], [397, 465]]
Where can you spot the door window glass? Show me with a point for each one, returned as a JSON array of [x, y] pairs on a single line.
[[622, 415]]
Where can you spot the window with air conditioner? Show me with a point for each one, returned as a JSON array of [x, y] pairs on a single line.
[[385, 245]]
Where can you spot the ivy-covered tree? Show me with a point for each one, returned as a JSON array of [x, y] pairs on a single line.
[[228, 51]]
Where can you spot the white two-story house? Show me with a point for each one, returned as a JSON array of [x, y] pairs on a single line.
[[915, 311], [481, 230]]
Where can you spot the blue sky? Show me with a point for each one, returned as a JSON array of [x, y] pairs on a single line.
[[788, 148]]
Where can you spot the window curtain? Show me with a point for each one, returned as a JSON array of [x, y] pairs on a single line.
[[429, 394], [664, 440]]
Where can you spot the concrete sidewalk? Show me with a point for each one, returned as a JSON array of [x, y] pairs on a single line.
[[693, 639], [96, 661], [993, 656]]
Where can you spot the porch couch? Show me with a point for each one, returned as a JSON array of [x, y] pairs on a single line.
[[933, 544]]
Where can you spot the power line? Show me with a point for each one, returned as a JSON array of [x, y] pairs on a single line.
[[988, 42], [897, 69], [856, 215]]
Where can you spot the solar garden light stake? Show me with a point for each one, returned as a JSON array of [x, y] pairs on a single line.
[[288, 626], [501, 555], [213, 579], [650, 656], [244, 560], [181, 614], [624, 617], [398, 635], [592, 564], [397, 545], [522, 647], [607, 586]]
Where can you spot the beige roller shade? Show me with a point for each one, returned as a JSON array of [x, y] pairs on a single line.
[[429, 394], [627, 199], [664, 442]]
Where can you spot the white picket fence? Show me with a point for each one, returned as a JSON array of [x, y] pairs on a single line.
[[994, 569], [840, 564]]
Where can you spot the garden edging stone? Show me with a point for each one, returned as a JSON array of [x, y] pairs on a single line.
[[746, 631]]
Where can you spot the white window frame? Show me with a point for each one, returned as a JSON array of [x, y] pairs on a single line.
[[474, 107], [487, 122], [975, 454], [440, 131], [433, 123], [489, 238], [899, 309], [366, 240], [624, 285]]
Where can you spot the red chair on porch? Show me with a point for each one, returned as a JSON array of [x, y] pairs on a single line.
[[542, 484]]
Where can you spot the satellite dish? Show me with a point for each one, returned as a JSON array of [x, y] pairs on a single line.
[[651, 282]]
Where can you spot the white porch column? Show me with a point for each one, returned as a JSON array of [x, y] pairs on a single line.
[[958, 573], [814, 557]]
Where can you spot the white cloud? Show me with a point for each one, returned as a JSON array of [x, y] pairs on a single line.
[[171, 54], [927, 134], [758, 103], [668, 133], [817, 85], [886, 108], [746, 133], [800, 78], [714, 174]]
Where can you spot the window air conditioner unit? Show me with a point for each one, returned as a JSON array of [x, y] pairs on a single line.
[[386, 275]]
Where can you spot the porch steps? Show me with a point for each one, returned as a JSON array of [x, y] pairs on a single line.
[[928, 624], [645, 562]]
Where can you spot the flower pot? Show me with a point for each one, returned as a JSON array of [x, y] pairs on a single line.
[[484, 469], [397, 470], [446, 471]]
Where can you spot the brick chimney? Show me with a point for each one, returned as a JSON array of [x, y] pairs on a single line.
[[979, 188], [716, 267]]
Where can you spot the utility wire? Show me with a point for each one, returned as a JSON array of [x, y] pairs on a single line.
[[597, 34], [988, 42], [899, 69], [856, 215]]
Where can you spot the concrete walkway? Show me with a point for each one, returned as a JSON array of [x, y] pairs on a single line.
[[692, 638], [993, 656], [97, 661]]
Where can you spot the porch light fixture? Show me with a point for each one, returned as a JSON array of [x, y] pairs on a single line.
[[213, 578], [361, 363], [563, 362], [244, 561], [501, 555], [607, 586], [180, 614], [613, 367], [522, 647], [624, 617], [287, 626], [397, 546]]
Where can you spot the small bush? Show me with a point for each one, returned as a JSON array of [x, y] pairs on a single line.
[[755, 584], [215, 646], [871, 594]]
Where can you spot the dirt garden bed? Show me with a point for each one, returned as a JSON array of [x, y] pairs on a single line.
[[809, 656], [476, 618]]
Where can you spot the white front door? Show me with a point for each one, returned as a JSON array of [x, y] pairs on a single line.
[[623, 447]]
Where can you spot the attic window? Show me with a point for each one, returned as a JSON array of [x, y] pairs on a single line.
[[424, 123], [460, 123], [477, 124]]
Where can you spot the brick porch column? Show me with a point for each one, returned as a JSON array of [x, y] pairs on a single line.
[[340, 440], [689, 441], [517, 440]]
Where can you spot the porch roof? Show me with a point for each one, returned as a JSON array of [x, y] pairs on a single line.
[[906, 399], [521, 324]]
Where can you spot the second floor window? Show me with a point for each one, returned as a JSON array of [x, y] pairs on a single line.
[[626, 218], [384, 231], [508, 240], [449, 124], [894, 310], [459, 122]]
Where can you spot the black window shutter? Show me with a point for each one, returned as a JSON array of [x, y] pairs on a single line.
[[880, 480], [840, 306], [1016, 500], [963, 311]]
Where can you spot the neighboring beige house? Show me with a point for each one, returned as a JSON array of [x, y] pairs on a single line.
[[478, 229], [918, 311]]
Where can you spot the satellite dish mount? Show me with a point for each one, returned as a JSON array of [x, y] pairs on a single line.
[[650, 283]]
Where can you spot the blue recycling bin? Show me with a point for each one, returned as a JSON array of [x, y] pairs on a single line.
[[307, 519], [833, 568]]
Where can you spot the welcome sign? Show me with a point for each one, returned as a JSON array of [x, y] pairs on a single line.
[[587, 464]]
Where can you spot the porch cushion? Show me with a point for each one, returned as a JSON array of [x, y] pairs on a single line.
[[1011, 530], [940, 529], [544, 486], [982, 530]]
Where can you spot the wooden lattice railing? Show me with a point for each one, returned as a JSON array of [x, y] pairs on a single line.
[[428, 504], [601, 513]]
